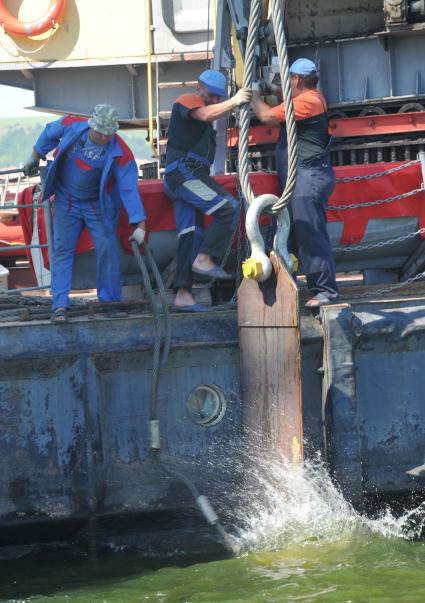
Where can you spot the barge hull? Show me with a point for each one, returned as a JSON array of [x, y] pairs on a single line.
[[74, 408]]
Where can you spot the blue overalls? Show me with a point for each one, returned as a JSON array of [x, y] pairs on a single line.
[[309, 239], [90, 184], [77, 205]]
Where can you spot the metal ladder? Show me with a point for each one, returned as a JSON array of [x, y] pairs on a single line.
[[162, 117]]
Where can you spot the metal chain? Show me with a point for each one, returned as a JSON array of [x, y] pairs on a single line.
[[239, 276], [228, 249], [278, 18], [239, 239], [378, 174], [237, 233], [384, 243], [377, 202], [394, 287]]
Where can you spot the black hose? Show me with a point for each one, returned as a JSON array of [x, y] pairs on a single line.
[[164, 304], [158, 330], [201, 501]]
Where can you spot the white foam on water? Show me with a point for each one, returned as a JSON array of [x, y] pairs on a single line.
[[281, 504]]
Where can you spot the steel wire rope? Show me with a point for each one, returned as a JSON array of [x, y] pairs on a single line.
[[278, 19], [248, 76]]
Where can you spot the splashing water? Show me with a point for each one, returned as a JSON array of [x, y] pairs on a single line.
[[299, 540], [293, 504], [281, 504]]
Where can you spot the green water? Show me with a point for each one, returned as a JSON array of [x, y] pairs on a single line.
[[364, 567], [300, 541]]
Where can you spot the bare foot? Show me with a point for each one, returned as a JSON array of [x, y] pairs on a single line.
[[184, 298], [312, 303], [203, 262], [321, 299]]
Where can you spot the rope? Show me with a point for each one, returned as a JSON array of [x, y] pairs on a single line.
[[277, 11], [277, 8], [24, 51], [248, 77]]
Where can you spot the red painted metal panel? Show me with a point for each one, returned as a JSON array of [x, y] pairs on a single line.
[[348, 193], [355, 221], [370, 125]]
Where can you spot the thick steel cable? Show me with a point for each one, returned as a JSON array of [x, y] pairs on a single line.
[[248, 76], [277, 12]]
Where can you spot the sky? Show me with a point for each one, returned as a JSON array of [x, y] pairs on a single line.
[[14, 100]]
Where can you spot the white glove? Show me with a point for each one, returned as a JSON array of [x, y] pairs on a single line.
[[138, 236], [31, 166], [244, 95]]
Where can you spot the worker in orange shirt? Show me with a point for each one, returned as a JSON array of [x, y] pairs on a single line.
[[309, 238]]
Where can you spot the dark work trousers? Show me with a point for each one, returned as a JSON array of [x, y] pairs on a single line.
[[194, 194], [309, 239]]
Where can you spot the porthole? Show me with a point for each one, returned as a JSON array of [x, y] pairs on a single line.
[[206, 405]]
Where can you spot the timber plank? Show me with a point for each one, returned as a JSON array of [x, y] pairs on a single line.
[[270, 349]]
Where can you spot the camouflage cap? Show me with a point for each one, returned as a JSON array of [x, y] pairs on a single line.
[[104, 119]]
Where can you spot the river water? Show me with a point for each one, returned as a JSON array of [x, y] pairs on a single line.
[[297, 540]]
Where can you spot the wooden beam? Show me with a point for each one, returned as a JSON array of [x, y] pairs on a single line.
[[269, 339]]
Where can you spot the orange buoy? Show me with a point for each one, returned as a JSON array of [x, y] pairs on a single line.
[[31, 28]]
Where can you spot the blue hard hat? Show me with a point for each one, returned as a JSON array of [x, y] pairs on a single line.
[[214, 81], [303, 67]]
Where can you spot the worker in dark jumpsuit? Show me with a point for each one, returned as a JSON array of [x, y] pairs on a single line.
[[190, 153], [309, 239]]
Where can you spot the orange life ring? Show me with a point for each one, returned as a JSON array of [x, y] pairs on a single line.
[[31, 28]]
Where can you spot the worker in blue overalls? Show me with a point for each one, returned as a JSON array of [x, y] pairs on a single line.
[[309, 238], [190, 153], [93, 172]]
